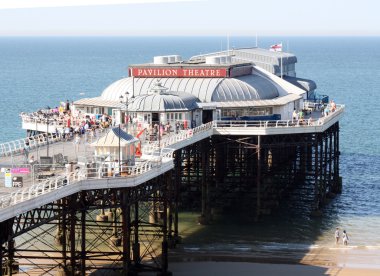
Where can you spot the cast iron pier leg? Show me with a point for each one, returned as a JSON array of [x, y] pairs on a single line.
[[83, 240], [206, 211], [64, 233], [126, 217], [11, 260], [1, 256], [178, 165], [258, 179], [72, 236], [164, 253], [136, 245]]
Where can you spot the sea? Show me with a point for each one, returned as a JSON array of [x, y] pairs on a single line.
[[40, 72]]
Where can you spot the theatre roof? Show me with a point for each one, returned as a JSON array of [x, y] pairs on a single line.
[[249, 87], [305, 84], [159, 99]]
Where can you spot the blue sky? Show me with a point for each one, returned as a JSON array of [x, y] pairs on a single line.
[[188, 17]]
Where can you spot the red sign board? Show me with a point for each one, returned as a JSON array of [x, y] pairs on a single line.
[[179, 72]]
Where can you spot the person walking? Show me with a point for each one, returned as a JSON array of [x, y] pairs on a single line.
[[337, 235], [26, 152], [345, 237]]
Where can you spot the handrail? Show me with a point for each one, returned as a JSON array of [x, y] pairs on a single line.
[[32, 142], [175, 138], [309, 122], [71, 178]]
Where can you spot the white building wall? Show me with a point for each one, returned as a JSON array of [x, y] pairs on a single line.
[[286, 111], [197, 117]]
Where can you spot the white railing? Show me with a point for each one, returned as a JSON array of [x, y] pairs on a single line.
[[171, 139], [307, 122], [71, 178], [18, 146], [37, 189], [267, 124], [53, 120]]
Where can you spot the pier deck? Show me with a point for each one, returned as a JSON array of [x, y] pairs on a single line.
[[312, 123]]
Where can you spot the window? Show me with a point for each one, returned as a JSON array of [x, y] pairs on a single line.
[[249, 111]]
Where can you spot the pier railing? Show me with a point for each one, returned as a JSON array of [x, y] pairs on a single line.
[[305, 122], [25, 144], [101, 171], [18, 146], [171, 139]]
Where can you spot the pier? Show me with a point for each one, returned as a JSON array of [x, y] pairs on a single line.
[[80, 220]]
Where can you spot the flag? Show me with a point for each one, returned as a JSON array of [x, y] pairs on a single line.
[[276, 48]]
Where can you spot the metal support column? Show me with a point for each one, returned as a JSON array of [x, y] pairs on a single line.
[[11, 253], [178, 166], [1, 256], [205, 214], [126, 231], [83, 235], [258, 178], [170, 196], [337, 179], [72, 236], [64, 233], [164, 252], [136, 244], [322, 172], [316, 177], [330, 162]]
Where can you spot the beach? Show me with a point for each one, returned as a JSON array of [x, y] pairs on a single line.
[[248, 269], [199, 254], [337, 260]]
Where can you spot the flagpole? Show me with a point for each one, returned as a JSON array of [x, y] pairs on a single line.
[[281, 61], [228, 44]]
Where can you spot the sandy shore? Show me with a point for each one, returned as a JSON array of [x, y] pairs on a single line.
[[249, 269], [317, 261]]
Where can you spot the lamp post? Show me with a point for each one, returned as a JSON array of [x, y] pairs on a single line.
[[121, 98], [47, 137], [119, 152]]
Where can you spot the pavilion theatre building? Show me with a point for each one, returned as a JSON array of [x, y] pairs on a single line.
[[240, 84]]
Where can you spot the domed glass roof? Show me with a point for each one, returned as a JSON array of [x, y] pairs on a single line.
[[159, 99], [243, 88]]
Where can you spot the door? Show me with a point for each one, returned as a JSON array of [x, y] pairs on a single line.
[[155, 118], [116, 116], [206, 116]]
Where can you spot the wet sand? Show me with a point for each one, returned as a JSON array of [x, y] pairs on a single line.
[[248, 269], [335, 260], [201, 255]]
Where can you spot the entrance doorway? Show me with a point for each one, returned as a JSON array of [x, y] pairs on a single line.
[[155, 118], [206, 116]]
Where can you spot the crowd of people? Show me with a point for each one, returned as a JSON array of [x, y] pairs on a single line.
[[68, 122], [325, 110], [165, 129]]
